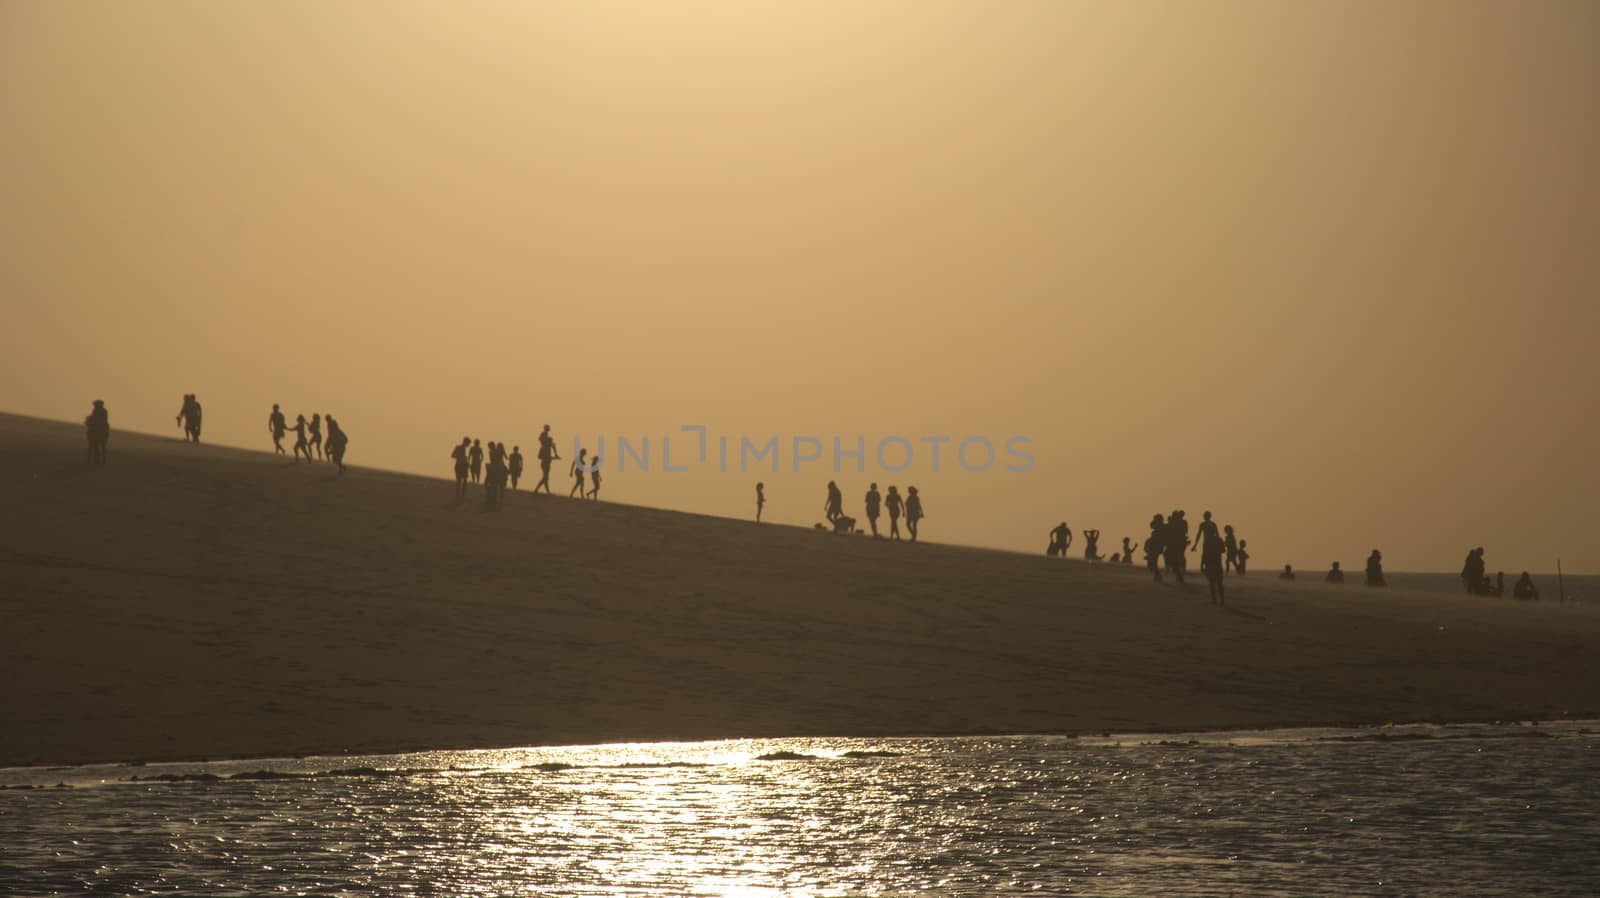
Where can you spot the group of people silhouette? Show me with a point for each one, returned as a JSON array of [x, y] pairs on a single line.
[[1475, 577], [307, 434], [908, 506], [506, 468]]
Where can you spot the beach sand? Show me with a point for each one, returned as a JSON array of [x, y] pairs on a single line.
[[189, 602]]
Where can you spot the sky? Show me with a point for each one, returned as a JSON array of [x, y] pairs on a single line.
[[1328, 269]]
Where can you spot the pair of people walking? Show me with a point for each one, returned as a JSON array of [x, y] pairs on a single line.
[[910, 506]]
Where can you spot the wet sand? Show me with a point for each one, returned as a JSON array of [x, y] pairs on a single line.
[[189, 602]]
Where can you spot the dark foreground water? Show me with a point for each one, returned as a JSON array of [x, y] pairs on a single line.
[[1493, 810]]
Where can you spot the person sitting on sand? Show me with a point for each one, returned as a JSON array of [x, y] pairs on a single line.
[[1127, 550], [1213, 565], [338, 442], [1230, 546], [1335, 575], [892, 504], [1243, 558], [913, 511], [516, 465], [301, 444], [459, 453], [1060, 539], [833, 506], [1155, 546], [1091, 545], [1288, 574], [1525, 588], [874, 500], [594, 478], [276, 426], [1116, 557], [579, 468], [761, 500], [1375, 569]]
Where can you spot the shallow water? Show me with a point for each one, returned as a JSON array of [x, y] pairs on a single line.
[[1490, 810]]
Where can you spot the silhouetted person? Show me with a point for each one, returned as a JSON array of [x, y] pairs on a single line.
[[1499, 587], [1334, 575], [893, 505], [338, 442], [761, 500], [459, 454], [1288, 573], [276, 426], [1091, 545], [494, 480], [833, 508], [1212, 563], [1060, 539], [1525, 588], [1176, 541], [913, 511], [1244, 556], [516, 465], [300, 443], [1375, 569], [475, 461], [874, 502], [1208, 528], [1472, 573], [189, 417], [1127, 550], [315, 430], [594, 479], [97, 429], [547, 454], [1155, 545], [577, 473], [1230, 545]]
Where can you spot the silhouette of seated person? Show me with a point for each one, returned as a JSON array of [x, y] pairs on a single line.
[[1375, 569], [1524, 588], [1091, 545], [1127, 550], [1334, 575], [1288, 573]]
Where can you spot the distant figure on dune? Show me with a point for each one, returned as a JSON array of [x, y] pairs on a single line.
[[913, 511], [459, 454], [494, 481], [1243, 558], [189, 417], [1213, 564], [547, 454], [1489, 587], [315, 429], [1525, 588], [1127, 550], [1060, 539], [1176, 541], [1334, 575], [276, 426], [1375, 569], [475, 461], [1116, 557], [761, 500], [97, 429], [594, 479], [301, 445], [893, 505], [338, 442], [874, 502], [577, 471], [1091, 545], [1208, 529], [1155, 545], [1472, 573], [516, 465], [1230, 545], [1288, 574], [833, 507]]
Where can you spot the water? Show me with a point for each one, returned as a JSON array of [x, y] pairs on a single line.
[[1482, 810]]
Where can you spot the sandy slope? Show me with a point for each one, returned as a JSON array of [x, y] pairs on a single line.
[[188, 602]]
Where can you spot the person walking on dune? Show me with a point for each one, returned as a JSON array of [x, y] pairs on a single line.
[[494, 480], [314, 428], [893, 505], [1230, 545], [475, 460], [1155, 545], [301, 445], [338, 442], [97, 428], [1208, 529], [594, 479], [913, 511], [874, 502], [277, 426], [459, 454], [833, 508], [547, 454], [189, 417], [516, 465], [579, 468], [761, 500]]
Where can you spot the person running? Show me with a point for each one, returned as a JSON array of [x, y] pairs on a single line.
[[1334, 575], [892, 504], [189, 417], [1208, 529], [1244, 556], [1177, 540], [833, 507], [1060, 539], [594, 479], [1155, 545], [1091, 545], [475, 461], [1524, 589], [1230, 545], [338, 442], [547, 454], [516, 465], [1127, 549], [874, 501], [97, 429], [459, 454], [761, 500], [1375, 569], [913, 511], [300, 442], [277, 426], [579, 468], [1213, 564], [315, 429], [1287, 574]]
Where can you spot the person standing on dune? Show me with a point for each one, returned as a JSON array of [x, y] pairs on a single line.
[[1230, 545], [276, 426], [1176, 541], [1213, 565], [547, 454], [97, 427], [893, 505], [874, 500], [761, 500], [189, 417], [1060, 539], [1208, 529], [1154, 545], [594, 478], [315, 430], [475, 460], [579, 468], [516, 465], [1244, 556], [1375, 569], [913, 511], [459, 453]]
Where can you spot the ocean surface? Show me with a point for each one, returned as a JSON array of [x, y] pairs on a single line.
[[1459, 811]]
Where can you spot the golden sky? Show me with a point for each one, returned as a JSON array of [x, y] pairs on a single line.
[[1327, 268]]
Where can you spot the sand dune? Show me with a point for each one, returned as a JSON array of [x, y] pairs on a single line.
[[206, 602]]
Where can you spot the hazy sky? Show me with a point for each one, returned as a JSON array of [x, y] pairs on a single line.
[[1330, 269]]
